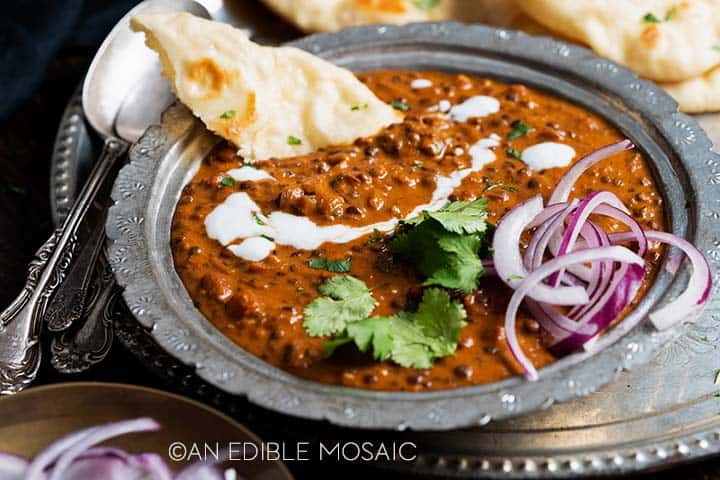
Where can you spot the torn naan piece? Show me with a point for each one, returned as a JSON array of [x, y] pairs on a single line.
[[697, 95], [662, 40], [270, 102]]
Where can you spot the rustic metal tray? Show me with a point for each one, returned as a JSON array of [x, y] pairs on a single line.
[[664, 413]]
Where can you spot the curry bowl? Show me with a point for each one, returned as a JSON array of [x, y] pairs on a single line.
[[167, 157]]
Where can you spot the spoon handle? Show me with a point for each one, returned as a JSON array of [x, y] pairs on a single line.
[[20, 323]]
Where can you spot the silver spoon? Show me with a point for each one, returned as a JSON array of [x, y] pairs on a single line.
[[122, 67]]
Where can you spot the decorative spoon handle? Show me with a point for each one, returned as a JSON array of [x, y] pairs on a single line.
[[68, 303], [20, 323], [88, 341]]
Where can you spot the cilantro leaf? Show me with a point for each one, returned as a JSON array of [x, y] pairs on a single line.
[[445, 245], [227, 182], [512, 152], [409, 339], [291, 140], [650, 18], [334, 266], [462, 217], [399, 105], [519, 129], [228, 114], [345, 300]]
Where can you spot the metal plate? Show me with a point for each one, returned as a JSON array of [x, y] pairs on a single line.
[[147, 189], [34, 419], [656, 416]]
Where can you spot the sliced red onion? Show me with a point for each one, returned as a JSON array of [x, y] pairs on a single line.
[[616, 253], [509, 263], [567, 182], [586, 207], [50, 454], [117, 465], [609, 283], [98, 435], [12, 467], [613, 300], [690, 301]]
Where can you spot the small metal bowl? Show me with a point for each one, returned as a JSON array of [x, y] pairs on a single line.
[[147, 190]]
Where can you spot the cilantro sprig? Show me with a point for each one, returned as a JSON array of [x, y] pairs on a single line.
[[410, 339], [445, 246], [345, 300]]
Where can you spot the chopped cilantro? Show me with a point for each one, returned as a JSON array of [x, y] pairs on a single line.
[[228, 114], [445, 245], [508, 188], [519, 129], [511, 152], [650, 18], [410, 339], [294, 140], [258, 220], [227, 182], [345, 300], [425, 4], [268, 237], [399, 105], [334, 266], [704, 338], [355, 108]]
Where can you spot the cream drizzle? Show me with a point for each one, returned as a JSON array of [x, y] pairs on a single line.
[[239, 217]]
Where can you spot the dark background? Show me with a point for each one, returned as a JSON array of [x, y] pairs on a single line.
[[45, 47]]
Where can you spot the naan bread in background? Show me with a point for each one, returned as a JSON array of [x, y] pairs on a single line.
[[699, 94], [662, 40], [270, 102], [333, 15]]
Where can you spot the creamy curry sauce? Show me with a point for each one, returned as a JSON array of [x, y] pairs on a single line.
[[259, 304]]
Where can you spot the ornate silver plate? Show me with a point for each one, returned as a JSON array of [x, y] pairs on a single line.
[[659, 415], [147, 189]]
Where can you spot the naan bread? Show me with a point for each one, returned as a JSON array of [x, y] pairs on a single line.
[[333, 15], [697, 95], [270, 102], [663, 40]]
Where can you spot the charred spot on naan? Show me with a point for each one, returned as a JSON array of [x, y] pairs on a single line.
[[207, 78], [385, 6]]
